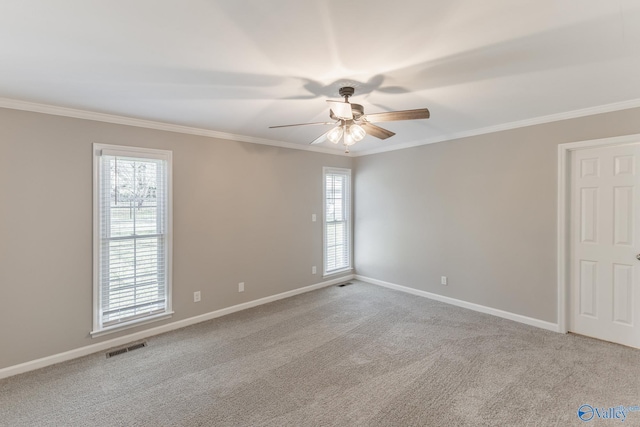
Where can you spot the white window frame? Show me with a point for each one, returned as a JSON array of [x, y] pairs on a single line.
[[142, 153], [348, 208]]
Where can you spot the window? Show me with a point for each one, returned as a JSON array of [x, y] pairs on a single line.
[[337, 220], [132, 236]]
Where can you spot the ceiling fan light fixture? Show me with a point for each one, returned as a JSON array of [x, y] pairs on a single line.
[[335, 134], [356, 132], [346, 115]]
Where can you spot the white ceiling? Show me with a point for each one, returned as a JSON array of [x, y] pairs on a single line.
[[239, 66]]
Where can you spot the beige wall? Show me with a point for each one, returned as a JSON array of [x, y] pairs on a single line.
[[242, 212], [480, 210]]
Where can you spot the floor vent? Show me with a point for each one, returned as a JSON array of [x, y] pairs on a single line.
[[342, 285], [126, 349]]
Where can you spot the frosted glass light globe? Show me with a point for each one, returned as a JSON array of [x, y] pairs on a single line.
[[335, 134], [356, 132]]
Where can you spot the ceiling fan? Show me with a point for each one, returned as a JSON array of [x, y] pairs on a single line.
[[351, 124]]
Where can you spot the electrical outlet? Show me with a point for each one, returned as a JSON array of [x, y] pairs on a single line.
[[241, 287], [313, 217], [443, 280], [196, 296], [313, 270]]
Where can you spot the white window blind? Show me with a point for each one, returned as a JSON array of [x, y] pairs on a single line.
[[337, 220], [133, 235]]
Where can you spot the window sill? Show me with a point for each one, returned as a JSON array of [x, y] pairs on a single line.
[[131, 324], [335, 272]]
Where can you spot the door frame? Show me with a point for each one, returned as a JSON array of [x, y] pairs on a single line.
[[564, 220]]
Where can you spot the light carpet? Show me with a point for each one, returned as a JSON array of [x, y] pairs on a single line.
[[358, 355]]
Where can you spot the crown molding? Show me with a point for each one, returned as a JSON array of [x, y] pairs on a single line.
[[34, 107], [15, 104], [574, 114]]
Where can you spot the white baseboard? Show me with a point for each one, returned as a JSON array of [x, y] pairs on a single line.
[[116, 342], [554, 327]]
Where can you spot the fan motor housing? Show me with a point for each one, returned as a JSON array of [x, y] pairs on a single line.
[[357, 110], [346, 91]]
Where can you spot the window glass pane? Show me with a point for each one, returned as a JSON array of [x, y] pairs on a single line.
[[133, 197]]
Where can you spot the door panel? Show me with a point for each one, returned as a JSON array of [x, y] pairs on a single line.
[[605, 276], [589, 215], [623, 216], [588, 288], [623, 294]]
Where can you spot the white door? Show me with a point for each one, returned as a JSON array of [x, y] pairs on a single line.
[[604, 243]]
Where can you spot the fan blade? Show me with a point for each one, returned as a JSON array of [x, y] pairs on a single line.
[[376, 131], [342, 110], [320, 139], [421, 113], [303, 124]]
